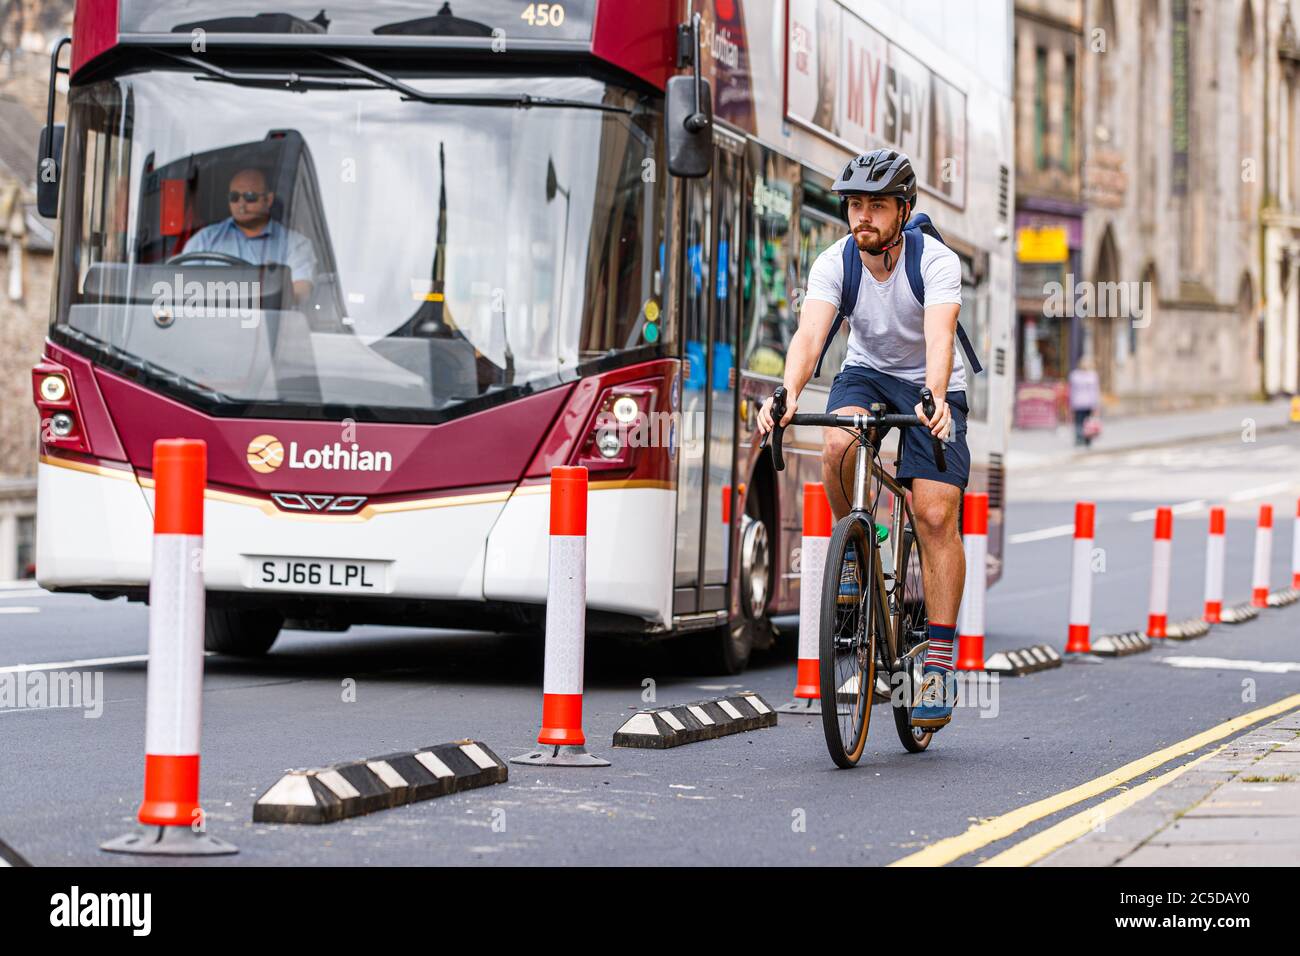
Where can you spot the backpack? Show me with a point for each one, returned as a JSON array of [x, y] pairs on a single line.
[[912, 249]]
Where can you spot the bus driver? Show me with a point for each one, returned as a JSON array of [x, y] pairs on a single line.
[[249, 233]]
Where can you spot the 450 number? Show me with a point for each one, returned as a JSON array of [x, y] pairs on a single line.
[[543, 14]]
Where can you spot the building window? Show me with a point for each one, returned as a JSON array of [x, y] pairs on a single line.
[[1067, 120], [1040, 108], [26, 547]]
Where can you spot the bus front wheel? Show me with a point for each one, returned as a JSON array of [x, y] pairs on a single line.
[[241, 632]]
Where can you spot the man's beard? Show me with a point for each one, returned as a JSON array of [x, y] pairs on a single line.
[[869, 239]]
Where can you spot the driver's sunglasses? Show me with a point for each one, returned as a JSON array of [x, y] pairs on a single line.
[[248, 197]]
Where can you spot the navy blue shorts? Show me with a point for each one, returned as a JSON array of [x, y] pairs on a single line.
[[859, 386]]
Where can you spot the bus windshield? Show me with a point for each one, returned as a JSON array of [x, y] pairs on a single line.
[[294, 253]]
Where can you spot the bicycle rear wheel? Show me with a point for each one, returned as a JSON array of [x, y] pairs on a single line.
[[912, 631], [849, 621]]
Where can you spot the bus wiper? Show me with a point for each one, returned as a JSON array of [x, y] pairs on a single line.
[[525, 100], [292, 80]]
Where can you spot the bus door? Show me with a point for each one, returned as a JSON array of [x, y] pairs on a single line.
[[711, 302]]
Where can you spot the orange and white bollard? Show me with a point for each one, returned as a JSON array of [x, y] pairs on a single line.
[[1263, 557], [1295, 550], [970, 622], [563, 742], [816, 541], [1085, 524], [173, 698], [1161, 565], [726, 500], [1214, 567]]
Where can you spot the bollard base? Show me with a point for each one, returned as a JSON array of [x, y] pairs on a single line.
[[560, 756], [802, 707], [169, 841], [811, 706], [1083, 657]]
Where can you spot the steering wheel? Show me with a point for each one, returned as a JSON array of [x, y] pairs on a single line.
[[218, 256]]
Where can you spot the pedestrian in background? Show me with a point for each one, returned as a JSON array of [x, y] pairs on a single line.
[[1085, 399]]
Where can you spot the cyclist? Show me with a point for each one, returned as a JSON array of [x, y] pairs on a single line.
[[895, 348]]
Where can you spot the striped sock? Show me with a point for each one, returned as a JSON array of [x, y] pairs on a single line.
[[939, 655]]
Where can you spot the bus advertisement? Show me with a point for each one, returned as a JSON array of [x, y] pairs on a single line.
[[393, 261]]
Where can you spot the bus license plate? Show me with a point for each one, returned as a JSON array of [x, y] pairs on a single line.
[[302, 574]]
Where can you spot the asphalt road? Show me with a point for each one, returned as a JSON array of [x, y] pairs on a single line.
[[766, 797]]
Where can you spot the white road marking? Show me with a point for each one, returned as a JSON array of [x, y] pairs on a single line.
[[1187, 507], [1263, 491], [20, 610], [1225, 663], [73, 665], [1056, 531]]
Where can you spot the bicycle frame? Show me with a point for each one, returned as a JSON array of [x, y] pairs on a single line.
[[891, 611]]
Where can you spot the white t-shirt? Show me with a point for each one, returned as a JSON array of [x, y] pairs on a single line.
[[887, 326]]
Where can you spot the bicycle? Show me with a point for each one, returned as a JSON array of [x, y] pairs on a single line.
[[885, 626]]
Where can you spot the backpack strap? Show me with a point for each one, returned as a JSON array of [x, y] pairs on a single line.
[[917, 228], [849, 287]]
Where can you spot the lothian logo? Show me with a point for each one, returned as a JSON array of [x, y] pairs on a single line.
[[266, 454]]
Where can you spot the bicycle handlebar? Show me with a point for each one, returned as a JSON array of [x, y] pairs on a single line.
[[858, 422]]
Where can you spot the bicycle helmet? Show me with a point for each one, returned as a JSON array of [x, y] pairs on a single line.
[[881, 172]]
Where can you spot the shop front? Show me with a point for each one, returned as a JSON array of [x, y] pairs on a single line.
[[1048, 331]]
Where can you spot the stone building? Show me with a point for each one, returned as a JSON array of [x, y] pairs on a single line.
[[1276, 55], [27, 30], [1180, 143], [1049, 202], [26, 271]]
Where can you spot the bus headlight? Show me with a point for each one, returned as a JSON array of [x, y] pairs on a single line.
[[61, 424], [608, 443], [54, 388], [626, 409]]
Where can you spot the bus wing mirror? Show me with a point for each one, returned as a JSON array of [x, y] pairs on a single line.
[[49, 159], [48, 167], [690, 145]]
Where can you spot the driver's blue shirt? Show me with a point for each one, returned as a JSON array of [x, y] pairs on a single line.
[[275, 243]]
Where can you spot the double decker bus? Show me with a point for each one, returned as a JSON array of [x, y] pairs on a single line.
[[394, 260]]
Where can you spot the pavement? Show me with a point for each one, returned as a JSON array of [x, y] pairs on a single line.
[[1037, 447], [1238, 805]]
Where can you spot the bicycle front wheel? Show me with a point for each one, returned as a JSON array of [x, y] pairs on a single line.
[[849, 621]]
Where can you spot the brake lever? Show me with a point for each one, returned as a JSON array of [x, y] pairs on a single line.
[[778, 413], [927, 405]]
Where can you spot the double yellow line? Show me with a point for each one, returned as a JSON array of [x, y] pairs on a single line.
[[1035, 848]]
